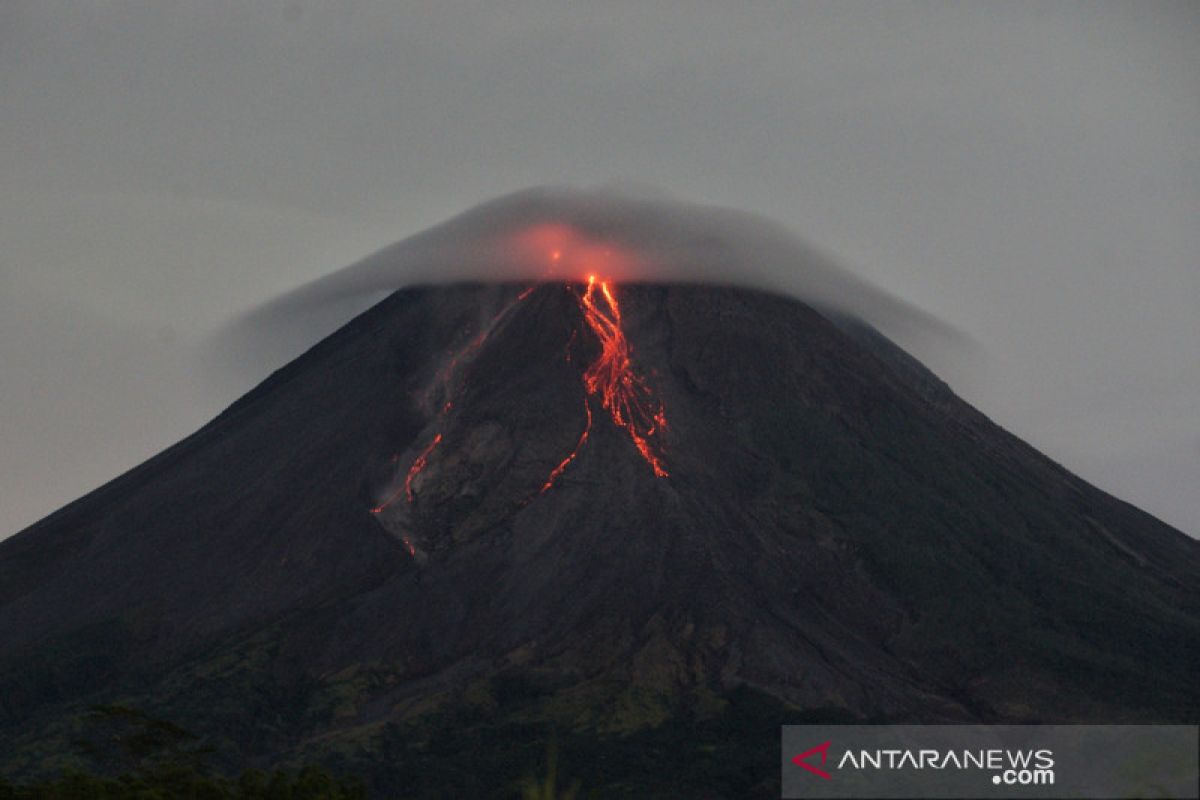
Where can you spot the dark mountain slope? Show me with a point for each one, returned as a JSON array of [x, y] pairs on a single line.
[[838, 535]]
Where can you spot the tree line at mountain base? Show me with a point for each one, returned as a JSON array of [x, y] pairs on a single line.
[[310, 783]]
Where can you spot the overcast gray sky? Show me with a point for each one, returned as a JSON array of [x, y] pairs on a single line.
[[1029, 173]]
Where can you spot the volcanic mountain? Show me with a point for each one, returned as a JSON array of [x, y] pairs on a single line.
[[651, 522]]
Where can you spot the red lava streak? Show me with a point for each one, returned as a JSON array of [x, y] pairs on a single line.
[[622, 392], [446, 381], [583, 437], [413, 471], [419, 465]]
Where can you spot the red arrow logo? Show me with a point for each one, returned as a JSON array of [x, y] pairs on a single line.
[[823, 749]]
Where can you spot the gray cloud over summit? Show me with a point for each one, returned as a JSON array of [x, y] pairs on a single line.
[[557, 233]]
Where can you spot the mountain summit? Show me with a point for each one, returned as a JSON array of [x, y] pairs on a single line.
[[656, 520]]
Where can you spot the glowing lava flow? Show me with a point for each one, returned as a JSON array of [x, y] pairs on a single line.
[[417, 465], [583, 437], [446, 380], [622, 392]]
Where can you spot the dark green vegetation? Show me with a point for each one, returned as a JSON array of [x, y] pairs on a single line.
[[148, 759], [730, 753], [308, 784], [458, 752], [840, 538]]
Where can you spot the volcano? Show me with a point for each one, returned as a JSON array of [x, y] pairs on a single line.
[[651, 523]]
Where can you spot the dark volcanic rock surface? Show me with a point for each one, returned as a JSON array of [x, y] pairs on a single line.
[[838, 531]]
